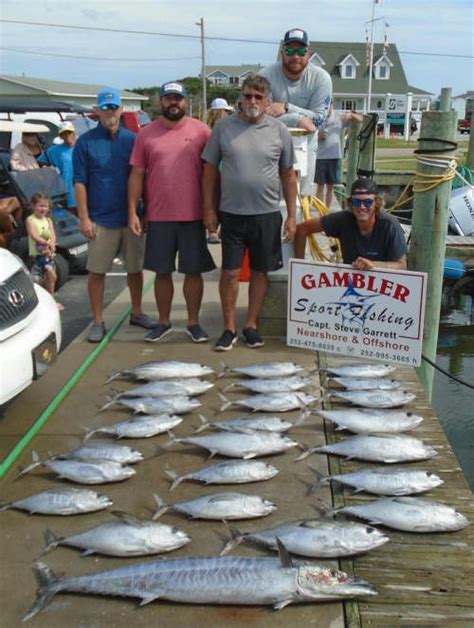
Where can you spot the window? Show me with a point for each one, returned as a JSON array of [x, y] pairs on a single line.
[[382, 70], [348, 71], [349, 105]]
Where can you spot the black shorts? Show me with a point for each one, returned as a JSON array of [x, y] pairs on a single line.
[[187, 239], [327, 171], [260, 233]]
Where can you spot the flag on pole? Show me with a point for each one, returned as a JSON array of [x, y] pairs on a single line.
[[385, 38]]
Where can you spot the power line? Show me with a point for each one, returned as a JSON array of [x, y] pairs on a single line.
[[208, 37], [54, 54]]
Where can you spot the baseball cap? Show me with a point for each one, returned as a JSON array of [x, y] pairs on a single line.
[[364, 185], [296, 34], [109, 96], [173, 88], [66, 126], [221, 103]]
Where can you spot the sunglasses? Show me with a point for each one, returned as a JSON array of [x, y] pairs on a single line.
[[296, 51], [366, 202], [108, 107], [250, 96]]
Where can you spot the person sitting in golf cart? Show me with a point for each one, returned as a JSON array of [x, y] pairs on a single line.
[[25, 154]]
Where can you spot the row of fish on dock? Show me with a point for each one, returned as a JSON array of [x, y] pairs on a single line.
[[169, 392]]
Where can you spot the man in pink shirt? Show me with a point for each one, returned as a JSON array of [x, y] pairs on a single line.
[[166, 171]]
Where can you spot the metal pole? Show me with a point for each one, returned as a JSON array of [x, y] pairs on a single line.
[[407, 127], [470, 150], [428, 233], [203, 70], [371, 57]]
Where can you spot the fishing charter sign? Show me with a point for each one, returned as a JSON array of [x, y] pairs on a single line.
[[371, 314]]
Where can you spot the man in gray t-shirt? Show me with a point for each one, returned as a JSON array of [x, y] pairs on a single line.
[[301, 93], [255, 155]]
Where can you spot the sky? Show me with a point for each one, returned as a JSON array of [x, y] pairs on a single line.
[[440, 32]]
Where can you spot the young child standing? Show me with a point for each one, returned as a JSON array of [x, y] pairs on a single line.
[[42, 242]]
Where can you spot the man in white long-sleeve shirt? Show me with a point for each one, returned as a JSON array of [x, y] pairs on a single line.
[[301, 93]]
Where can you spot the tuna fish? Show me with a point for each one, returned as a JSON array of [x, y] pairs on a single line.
[[386, 448], [409, 514], [276, 402], [166, 369], [259, 423], [139, 427], [209, 580], [123, 536], [375, 399], [60, 501], [220, 506], [241, 445], [314, 538], [227, 472], [383, 481], [156, 405], [360, 370], [270, 385], [167, 388], [88, 472], [367, 421], [369, 383], [264, 370]]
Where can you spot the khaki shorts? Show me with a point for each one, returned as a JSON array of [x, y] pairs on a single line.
[[108, 243]]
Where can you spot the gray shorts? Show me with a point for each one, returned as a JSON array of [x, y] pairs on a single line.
[[106, 245], [186, 239], [327, 171]]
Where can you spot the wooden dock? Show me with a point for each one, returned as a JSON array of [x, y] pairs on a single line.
[[422, 579]]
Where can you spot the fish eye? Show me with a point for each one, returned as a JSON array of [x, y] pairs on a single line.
[[369, 530]]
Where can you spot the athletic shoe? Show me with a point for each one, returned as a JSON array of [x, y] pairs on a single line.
[[96, 332], [142, 320], [226, 341], [213, 239], [252, 338], [158, 332], [197, 333]]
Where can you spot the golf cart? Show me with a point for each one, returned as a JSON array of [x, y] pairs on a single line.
[[72, 247]]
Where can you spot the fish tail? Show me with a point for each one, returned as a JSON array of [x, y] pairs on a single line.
[[320, 479], [306, 452], [162, 508], [236, 539], [5, 506], [36, 463], [204, 424], [223, 370], [52, 541], [176, 480], [48, 585], [227, 403], [89, 433], [114, 375], [108, 404], [114, 394], [229, 386]]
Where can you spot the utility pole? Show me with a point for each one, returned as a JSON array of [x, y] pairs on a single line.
[[203, 70]]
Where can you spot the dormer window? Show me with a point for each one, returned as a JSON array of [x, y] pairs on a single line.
[[348, 67], [382, 68], [317, 60]]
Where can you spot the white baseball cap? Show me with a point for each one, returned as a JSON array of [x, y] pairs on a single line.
[[221, 103], [66, 126]]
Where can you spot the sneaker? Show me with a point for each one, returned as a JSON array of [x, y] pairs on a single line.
[[197, 333], [252, 338], [142, 320], [96, 332], [158, 332], [226, 341], [213, 239]]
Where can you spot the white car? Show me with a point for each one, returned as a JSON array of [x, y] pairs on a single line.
[[30, 328]]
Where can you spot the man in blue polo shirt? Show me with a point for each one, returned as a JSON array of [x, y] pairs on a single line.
[[101, 168]]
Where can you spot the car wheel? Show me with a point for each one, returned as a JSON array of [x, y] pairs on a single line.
[[62, 270]]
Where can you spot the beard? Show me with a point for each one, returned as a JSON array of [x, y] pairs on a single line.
[[253, 112], [176, 114]]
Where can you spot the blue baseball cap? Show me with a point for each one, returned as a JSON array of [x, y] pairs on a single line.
[[296, 34], [173, 88], [109, 96]]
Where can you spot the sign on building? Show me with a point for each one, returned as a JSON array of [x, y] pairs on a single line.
[[374, 315]]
